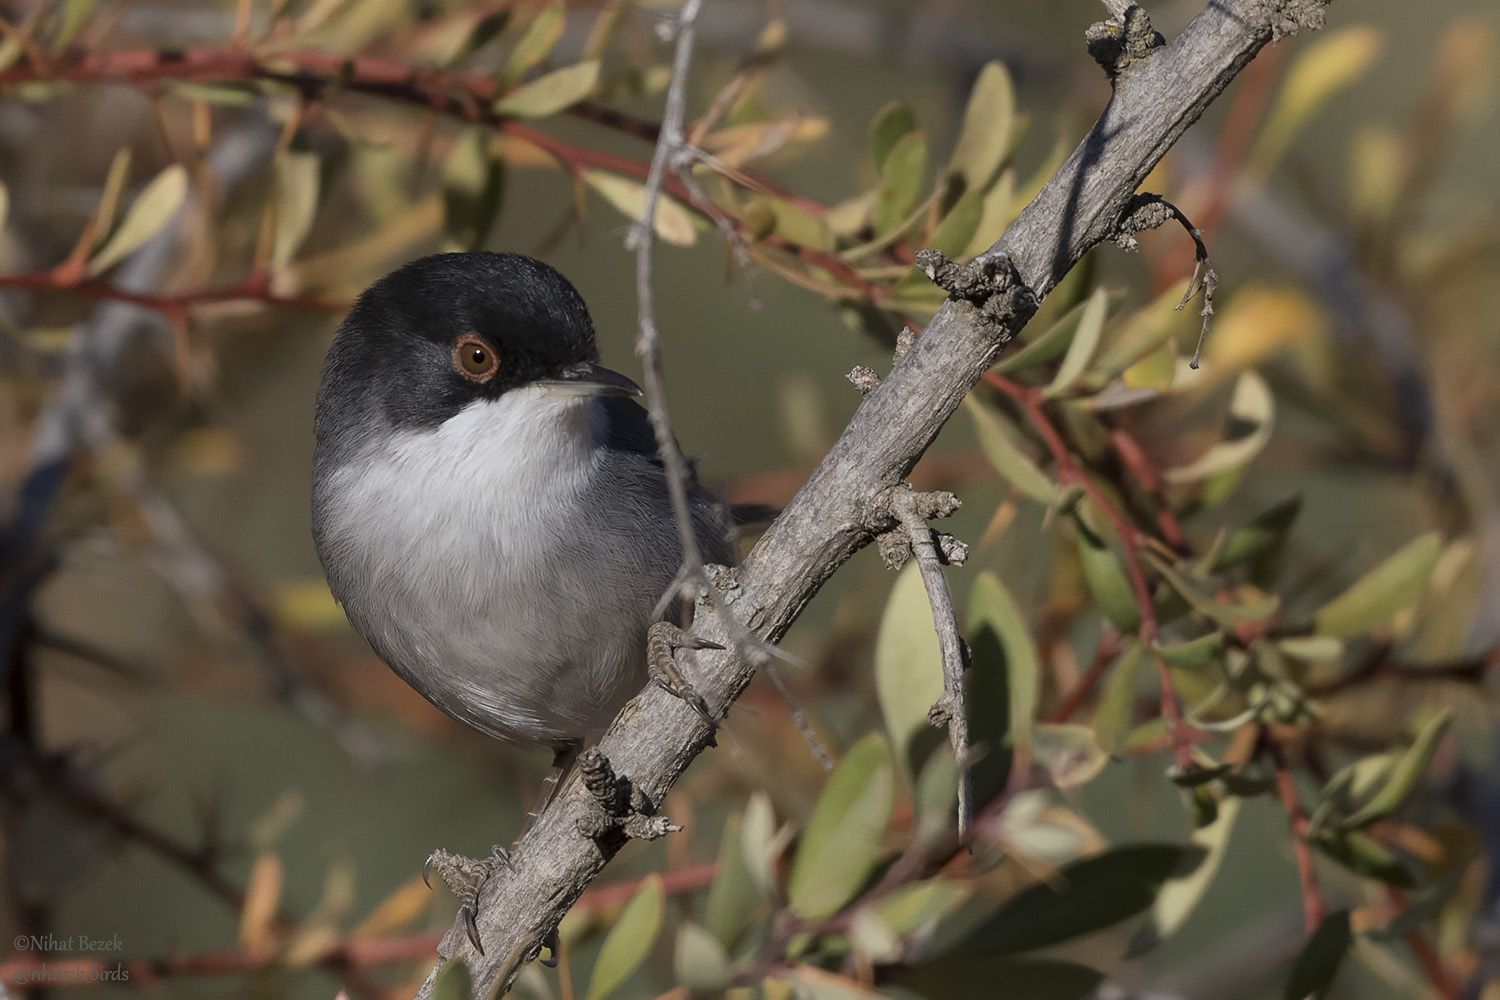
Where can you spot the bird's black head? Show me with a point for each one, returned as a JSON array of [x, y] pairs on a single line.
[[446, 330]]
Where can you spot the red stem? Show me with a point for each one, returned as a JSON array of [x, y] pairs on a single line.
[[1307, 875]]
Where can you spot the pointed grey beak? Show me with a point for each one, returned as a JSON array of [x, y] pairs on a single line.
[[590, 379]]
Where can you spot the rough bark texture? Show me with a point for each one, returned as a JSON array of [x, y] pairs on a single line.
[[1157, 97]]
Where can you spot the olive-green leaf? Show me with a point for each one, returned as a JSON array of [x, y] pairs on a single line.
[[733, 896], [1363, 856], [908, 666], [1251, 412], [912, 907], [296, 204], [453, 982], [992, 606], [958, 226], [152, 210], [759, 843], [1117, 705], [1205, 604], [672, 221], [630, 940], [1085, 896], [1265, 534], [1106, 580], [1390, 587], [1046, 346], [900, 181], [842, 841], [541, 35], [1424, 905], [1319, 961], [699, 963], [890, 124], [75, 14], [985, 135], [1006, 457], [1404, 773], [1195, 654], [1081, 349], [549, 94], [1182, 893]]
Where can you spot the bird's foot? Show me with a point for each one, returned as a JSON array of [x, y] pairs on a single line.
[[662, 641], [464, 877]]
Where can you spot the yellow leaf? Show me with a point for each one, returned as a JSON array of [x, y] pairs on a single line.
[[541, 35], [1251, 411], [549, 94], [1328, 65], [400, 908], [306, 604], [1259, 323], [147, 215], [262, 900], [672, 222], [296, 204]]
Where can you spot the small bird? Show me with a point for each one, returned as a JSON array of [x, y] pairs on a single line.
[[489, 504]]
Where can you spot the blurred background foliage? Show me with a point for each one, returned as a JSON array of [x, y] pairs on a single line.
[[1231, 628]]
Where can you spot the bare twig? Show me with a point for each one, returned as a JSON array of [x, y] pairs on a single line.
[[950, 711], [1147, 211]]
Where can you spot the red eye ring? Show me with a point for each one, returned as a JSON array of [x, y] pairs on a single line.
[[474, 358]]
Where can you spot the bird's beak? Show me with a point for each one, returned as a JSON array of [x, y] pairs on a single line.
[[590, 379]]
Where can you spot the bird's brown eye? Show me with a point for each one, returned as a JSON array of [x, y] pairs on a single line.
[[474, 359]]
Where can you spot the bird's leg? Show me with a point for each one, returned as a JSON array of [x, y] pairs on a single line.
[[465, 876], [662, 641], [563, 756]]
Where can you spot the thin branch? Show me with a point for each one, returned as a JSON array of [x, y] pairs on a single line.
[[1307, 875], [913, 509]]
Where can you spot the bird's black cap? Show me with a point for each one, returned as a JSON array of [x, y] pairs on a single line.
[[396, 359]]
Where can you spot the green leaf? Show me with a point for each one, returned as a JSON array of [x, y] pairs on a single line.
[[224, 95], [75, 15], [1006, 457], [1397, 583], [1070, 754], [908, 669], [733, 897], [672, 221], [1195, 654], [900, 181], [958, 226], [473, 183], [549, 94], [1085, 897], [1046, 346], [535, 45], [935, 792], [699, 963], [151, 211], [630, 940], [1081, 349], [759, 843], [1203, 603], [1404, 774], [1182, 893], [912, 907], [1262, 536], [991, 606], [890, 124], [1363, 856], [842, 841], [453, 982], [1424, 905], [1319, 961], [1012, 979], [1251, 413], [1117, 704], [296, 204], [985, 136], [797, 225], [1106, 579], [1312, 648]]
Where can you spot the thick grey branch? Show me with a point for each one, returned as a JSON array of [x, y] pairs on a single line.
[[836, 512]]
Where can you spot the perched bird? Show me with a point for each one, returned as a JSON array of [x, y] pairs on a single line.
[[489, 504]]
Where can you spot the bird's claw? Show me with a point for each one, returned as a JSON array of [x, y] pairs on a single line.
[[464, 877], [662, 641]]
